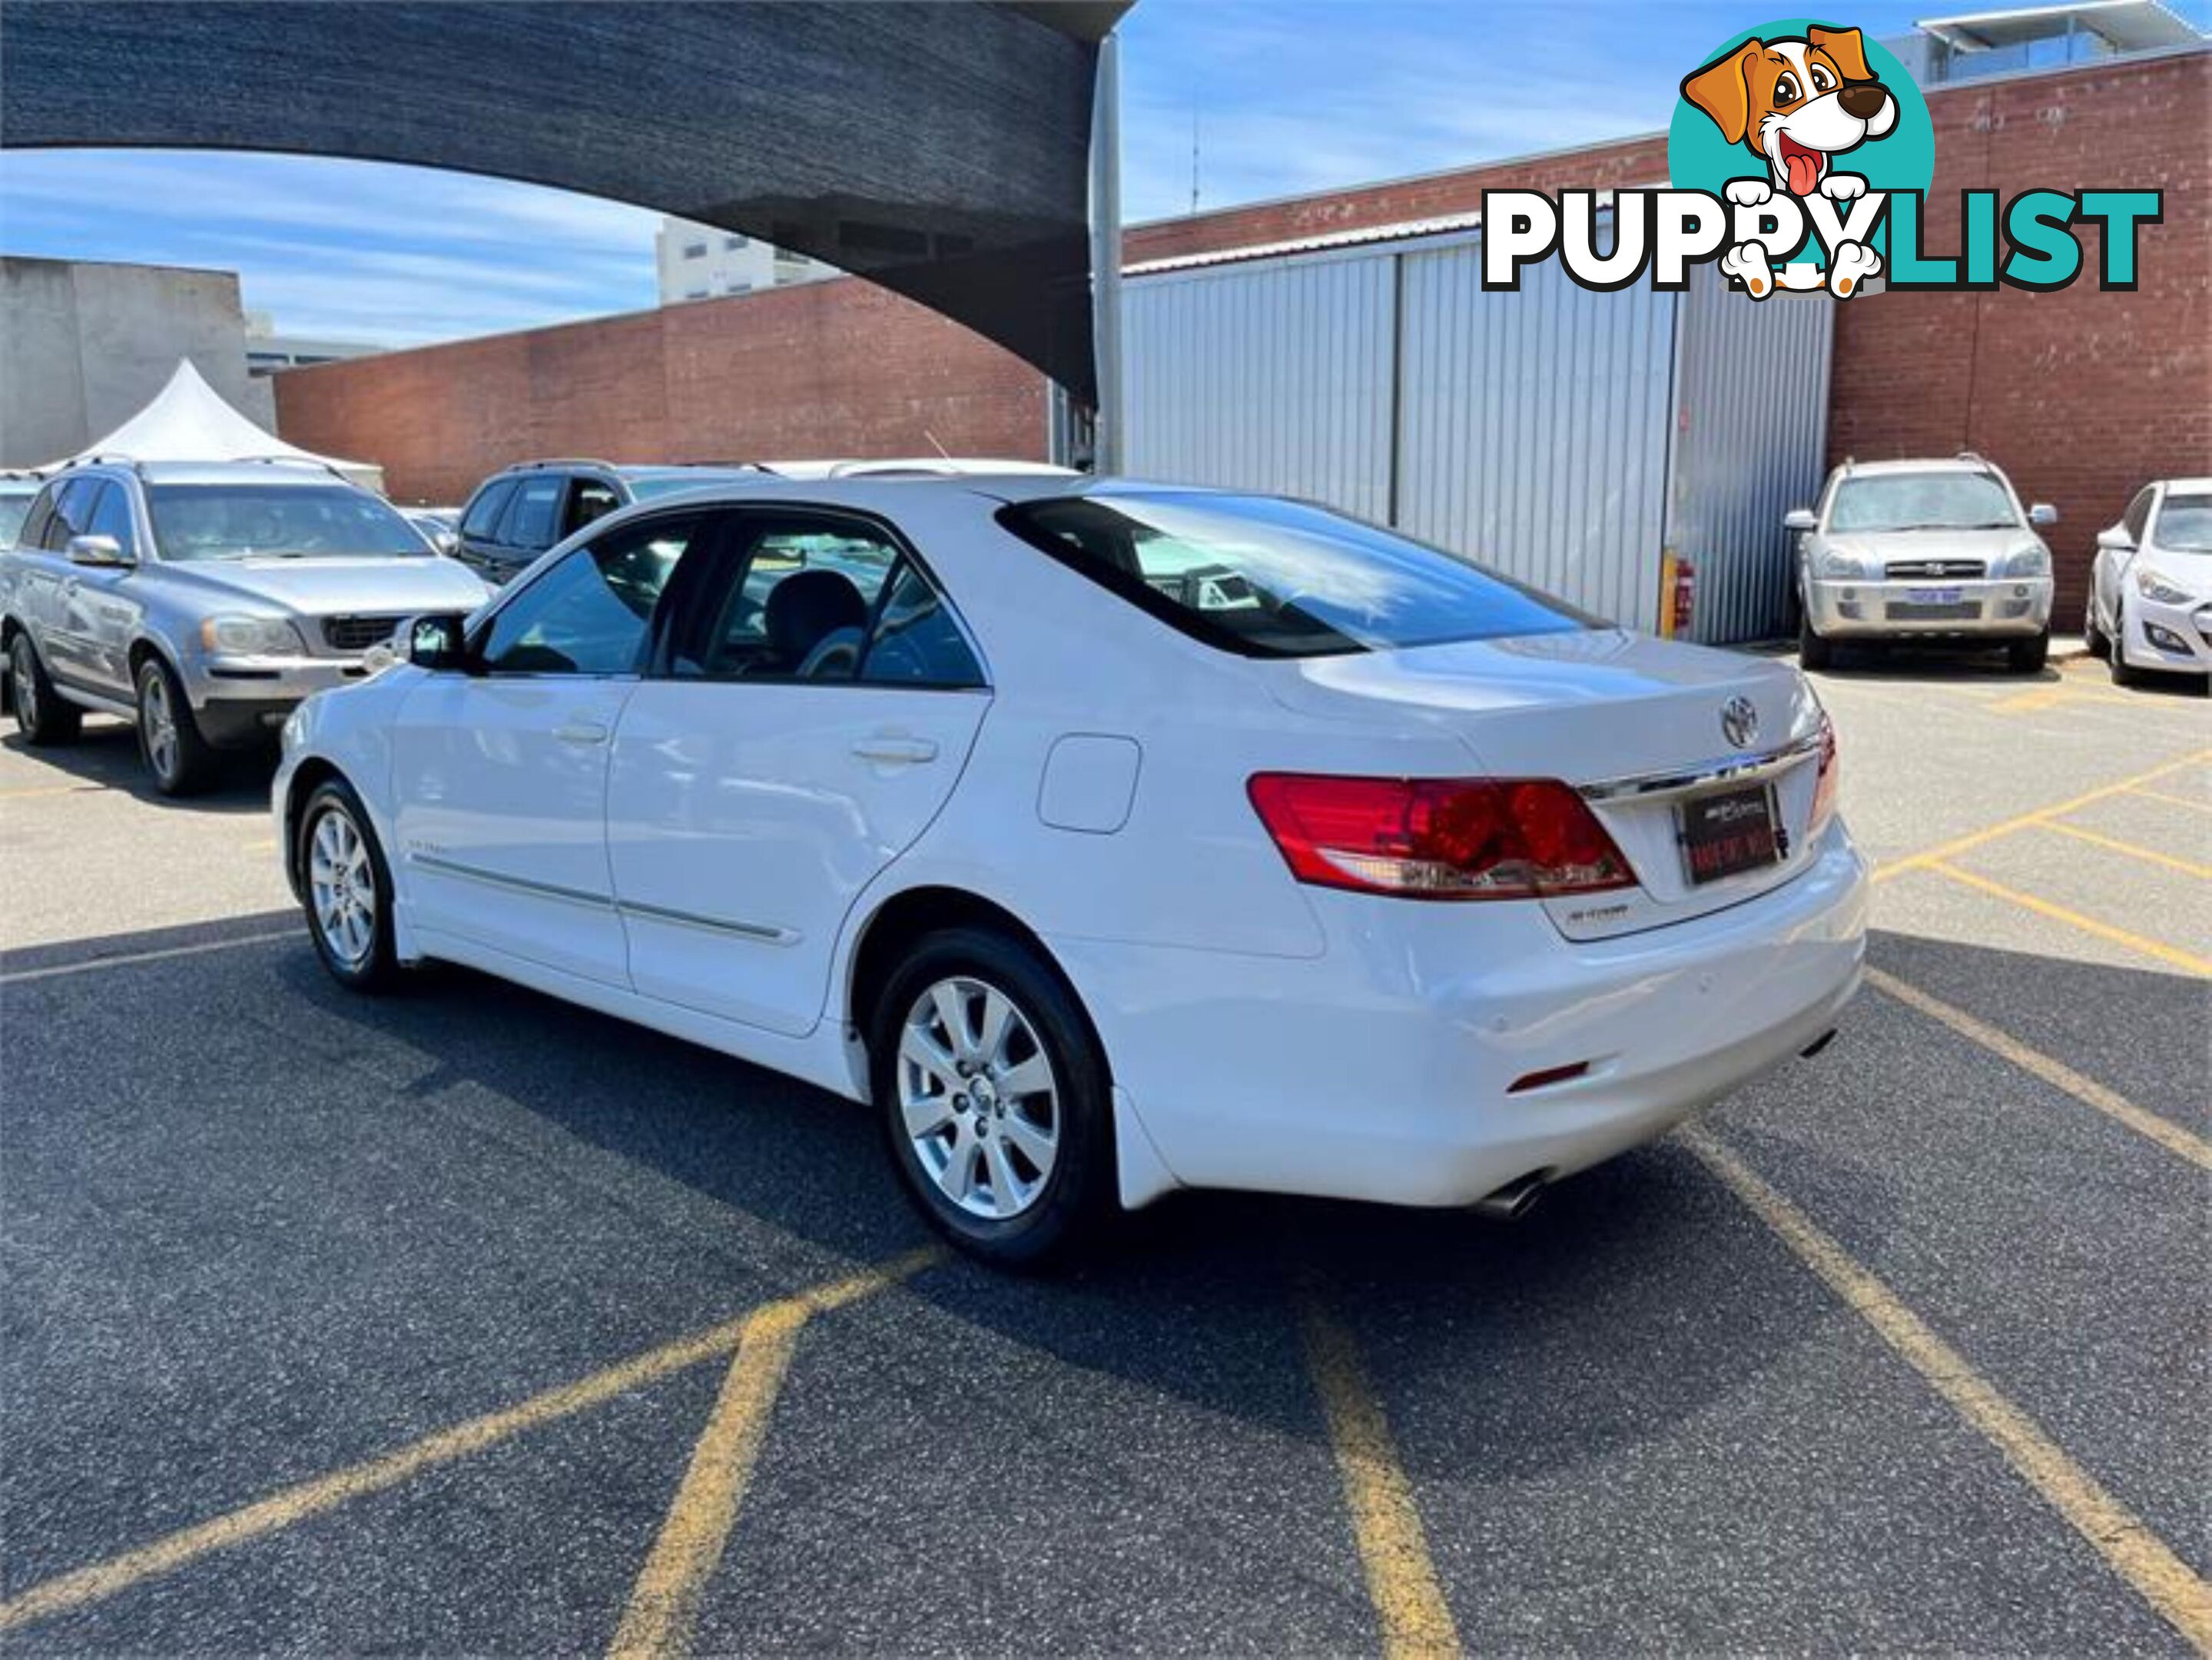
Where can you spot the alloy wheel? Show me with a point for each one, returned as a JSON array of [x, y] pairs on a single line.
[[978, 1098], [157, 723], [26, 677], [342, 882]]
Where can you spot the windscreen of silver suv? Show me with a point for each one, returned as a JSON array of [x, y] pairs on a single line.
[[1922, 501], [291, 521]]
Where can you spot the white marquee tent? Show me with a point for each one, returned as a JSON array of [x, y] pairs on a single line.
[[189, 421]]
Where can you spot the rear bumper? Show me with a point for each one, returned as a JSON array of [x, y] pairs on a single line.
[[1385, 1068], [1998, 608]]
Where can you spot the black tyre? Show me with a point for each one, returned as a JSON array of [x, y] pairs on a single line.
[[345, 890], [42, 715], [995, 1098], [2124, 672], [1812, 652], [2091, 636], [169, 740], [2028, 656]]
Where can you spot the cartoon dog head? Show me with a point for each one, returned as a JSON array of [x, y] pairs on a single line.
[[1795, 102]]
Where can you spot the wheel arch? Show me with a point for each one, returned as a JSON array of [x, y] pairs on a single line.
[[310, 775]]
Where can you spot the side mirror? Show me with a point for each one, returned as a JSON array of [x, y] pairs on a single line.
[[2117, 539], [98, 550], [439, 642], [2043, 513], [446, 542], [1800, 518]]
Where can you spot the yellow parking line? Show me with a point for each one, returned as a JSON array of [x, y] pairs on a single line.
[[2042, 697], [293, 1504], [665, 1600], [2173, 800], [2088, 1091], [1960, 844], [26, 790], [2187, 962], [2112, 1530], [1393, 1553], [2112, 843]]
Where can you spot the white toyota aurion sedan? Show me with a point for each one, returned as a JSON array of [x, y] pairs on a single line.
[[1110, 838]]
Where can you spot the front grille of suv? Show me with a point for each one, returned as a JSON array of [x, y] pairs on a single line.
[[358, 632], [1953, 568]]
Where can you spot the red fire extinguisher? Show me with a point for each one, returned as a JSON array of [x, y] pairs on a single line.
[[1677, 595]]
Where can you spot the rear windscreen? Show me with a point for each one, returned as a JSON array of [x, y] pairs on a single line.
[[1273, 578]]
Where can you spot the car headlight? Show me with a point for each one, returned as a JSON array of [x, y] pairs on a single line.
[[2027, 561], [252, 637], [2154, 587], [1842, 566]]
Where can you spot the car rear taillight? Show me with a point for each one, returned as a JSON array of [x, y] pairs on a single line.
[[1824, 791], [1439, 838]]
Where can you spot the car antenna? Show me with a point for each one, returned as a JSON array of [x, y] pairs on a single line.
[[943, 453]]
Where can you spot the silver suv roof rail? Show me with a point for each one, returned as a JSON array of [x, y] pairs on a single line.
[[320, 465], [561, 461]]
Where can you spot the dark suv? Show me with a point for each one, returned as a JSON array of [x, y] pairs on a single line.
[[518, 513]]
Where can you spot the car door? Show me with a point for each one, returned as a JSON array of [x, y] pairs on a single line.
[[532, 523], [500, 772], [479, 548], [60, 619], [811, 710], [100, 604]]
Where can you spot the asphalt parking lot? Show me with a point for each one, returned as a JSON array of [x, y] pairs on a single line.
[[467, 1321]]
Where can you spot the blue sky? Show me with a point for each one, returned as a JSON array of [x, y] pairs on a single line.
[[1290, 96]]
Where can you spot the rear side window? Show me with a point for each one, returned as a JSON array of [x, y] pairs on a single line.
[[916, 641], [797, 605], [1265, 577], [534, 512], [73, 504], [483, 516], [591, 499]]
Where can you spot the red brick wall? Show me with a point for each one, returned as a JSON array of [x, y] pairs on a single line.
[[834, 368], [2080, 396]]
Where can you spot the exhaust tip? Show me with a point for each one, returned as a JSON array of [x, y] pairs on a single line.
[[1515, 1199], [1817, 1045]]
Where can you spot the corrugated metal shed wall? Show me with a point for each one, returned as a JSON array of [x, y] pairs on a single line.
[[1752, 391], [1270, 376], [1533, 427], [1537, 431]]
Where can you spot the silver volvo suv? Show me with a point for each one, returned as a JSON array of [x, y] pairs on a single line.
[[203, 600], [1911, 549]]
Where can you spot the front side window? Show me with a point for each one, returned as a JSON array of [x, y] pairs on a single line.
[[591, 613], [482, 517], [111, 516], [1265, 577], [1922, 501], [797, 605], [295, 521], [2184, 524], [534, 512], [2137, 516]]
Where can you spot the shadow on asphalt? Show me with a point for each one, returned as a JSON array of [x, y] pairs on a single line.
[[106, 754]]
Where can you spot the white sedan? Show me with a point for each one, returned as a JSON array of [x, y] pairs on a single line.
[[2150, 590], [1108, 838]]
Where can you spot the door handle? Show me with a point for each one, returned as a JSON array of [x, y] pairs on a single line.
[[885, 747], [581, 733]]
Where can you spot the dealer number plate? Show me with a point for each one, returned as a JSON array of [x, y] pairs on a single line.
[[1934, 596], [1729, 832]]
